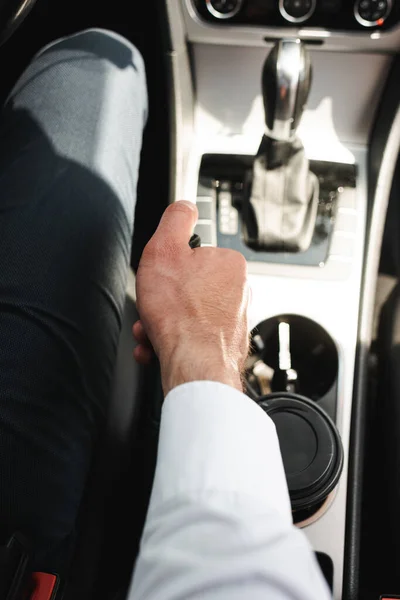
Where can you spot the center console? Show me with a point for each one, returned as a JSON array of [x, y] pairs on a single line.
[[300, 224], [274, 103]]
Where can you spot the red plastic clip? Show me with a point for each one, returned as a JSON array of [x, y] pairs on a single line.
[[44, 586]]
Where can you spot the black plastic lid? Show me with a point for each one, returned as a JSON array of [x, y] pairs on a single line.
[[311, 447]]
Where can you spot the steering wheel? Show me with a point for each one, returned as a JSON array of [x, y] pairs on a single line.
[[12, 13]]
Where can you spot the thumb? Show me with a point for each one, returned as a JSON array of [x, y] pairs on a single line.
[[177, 224]]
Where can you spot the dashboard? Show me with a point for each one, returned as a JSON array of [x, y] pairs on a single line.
[[339, 15]]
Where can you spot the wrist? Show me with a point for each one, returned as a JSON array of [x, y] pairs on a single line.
[[187, 366]]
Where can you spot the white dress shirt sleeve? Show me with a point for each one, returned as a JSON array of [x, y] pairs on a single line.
[[219, 525]]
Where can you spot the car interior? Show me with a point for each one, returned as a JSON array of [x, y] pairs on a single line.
[[281, 119]]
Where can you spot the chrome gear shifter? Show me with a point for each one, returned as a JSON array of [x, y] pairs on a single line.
[[280, 209], [286, 84]]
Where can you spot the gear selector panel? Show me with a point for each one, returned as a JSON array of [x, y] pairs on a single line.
[[223, 187]]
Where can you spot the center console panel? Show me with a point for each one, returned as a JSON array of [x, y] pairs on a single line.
[[312, 375], [220, 122]]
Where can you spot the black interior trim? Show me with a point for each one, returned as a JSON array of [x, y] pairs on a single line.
[[326, 565], [384, 118], [307, 41]]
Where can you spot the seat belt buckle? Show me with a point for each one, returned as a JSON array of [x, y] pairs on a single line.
[[17, 582], [43, 586]]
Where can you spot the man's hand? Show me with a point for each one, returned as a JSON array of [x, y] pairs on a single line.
[[192, 305]]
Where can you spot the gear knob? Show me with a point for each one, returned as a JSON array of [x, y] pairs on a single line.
[[286, 83]]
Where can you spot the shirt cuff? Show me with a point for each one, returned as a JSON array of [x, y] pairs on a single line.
[[213, 438]]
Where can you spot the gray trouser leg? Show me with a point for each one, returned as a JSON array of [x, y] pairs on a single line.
[[70, 141]]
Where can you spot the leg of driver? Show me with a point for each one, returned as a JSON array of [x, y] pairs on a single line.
[[70, 140]]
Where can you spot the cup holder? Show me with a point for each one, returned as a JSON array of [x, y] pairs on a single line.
[[292, 372], [290, 353]]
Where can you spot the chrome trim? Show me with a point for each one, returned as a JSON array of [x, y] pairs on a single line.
[[218, 15], [15, 19], [290, 64], [25, 6], [366, 23], [182, 102], [291, 19]]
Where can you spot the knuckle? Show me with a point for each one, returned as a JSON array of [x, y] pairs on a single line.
[[237, 262], [241, 262]]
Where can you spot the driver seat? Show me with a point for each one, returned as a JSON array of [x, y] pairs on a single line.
[[113, 511]]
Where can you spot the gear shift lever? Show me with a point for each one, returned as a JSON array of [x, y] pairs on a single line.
[[286, 83], [281, 209]]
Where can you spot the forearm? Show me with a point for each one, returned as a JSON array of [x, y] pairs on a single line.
[[219, 524]]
